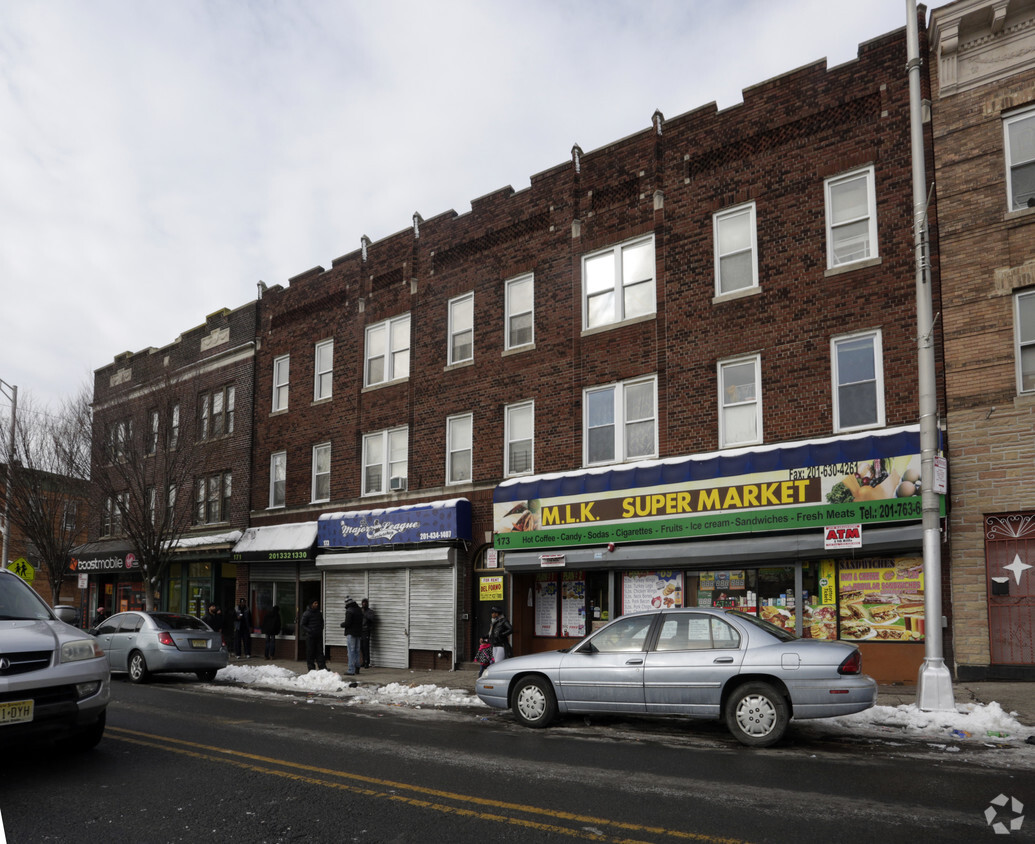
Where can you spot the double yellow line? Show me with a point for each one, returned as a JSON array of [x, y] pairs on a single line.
[[497, 811]]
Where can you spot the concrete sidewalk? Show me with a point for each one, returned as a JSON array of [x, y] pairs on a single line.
[[1013, 697]]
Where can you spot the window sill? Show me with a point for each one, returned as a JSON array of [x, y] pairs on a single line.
[[382, 384], [321, 400], [855, 265], [876, 426], [281, 412], [517, 350], [1019, 214], [463, 364], [733, 295], [611, 326], [276, 507]]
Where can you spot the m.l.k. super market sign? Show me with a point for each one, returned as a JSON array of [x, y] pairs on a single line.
[[867, 479]]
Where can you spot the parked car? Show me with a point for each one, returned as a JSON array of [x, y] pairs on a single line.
[[142, 643], [702, 663], [54, 679]]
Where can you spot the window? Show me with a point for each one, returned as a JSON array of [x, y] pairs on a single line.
[[1024, 332], [1020, 159], [324, 370], [281, 373], [736, 249], [70, 516], [278, 478], [120, 436], [170, 505], [385, 461], [461, 329], [620, 422], [152, 501], [174, 426], [519, 433], [322, 472], [740, 402], [387, 351], [213, 498], [459, 440], [112, 514], [216, 411], [851, 218], [857, 368], [519, 297], [152, 431], [618, 283]]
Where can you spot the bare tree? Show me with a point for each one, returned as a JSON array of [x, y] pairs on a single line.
[[48, 496]]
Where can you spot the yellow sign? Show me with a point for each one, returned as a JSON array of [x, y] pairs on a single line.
[[490, 588], [22, 568]]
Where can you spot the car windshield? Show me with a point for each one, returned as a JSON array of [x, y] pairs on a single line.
[[171, 621], [771, 629], [19, 603]]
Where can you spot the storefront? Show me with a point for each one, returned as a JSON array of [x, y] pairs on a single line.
[[407, 561], [822, 538], [109, 576]]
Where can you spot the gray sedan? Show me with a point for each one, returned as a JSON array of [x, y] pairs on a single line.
[[145, 643], [702, 663]]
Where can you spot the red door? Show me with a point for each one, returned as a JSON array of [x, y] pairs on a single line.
[[1010, 565]]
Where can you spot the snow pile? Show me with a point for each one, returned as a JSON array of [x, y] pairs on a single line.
[[970, 722]]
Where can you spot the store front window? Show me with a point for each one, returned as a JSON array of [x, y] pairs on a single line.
[[283, 594]]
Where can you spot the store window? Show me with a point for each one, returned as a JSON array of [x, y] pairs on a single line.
[[283, 594], [560, 604], [651, 590]]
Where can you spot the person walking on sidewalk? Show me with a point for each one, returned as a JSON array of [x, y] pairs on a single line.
[[271, 629], [368, 628], [243, 629], [499, 635], [312, 626], [353, 625]]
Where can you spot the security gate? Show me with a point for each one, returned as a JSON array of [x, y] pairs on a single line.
[[1010, 565]]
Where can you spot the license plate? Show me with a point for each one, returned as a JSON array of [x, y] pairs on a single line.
[[199, 643], [16, 712]]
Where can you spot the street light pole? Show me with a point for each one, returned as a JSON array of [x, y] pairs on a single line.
[[6, 525]]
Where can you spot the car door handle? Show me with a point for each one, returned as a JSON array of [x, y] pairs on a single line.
[[723, 660], [634, 662]]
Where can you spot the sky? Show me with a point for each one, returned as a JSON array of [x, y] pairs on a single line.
[[158, 159]]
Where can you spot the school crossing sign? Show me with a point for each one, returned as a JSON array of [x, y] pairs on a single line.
[[23, 568]]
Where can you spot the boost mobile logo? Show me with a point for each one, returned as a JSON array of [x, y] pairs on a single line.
[[992, 812]]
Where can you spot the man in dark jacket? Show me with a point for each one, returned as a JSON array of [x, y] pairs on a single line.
[[353, 625], [499, 635], [243, 629], [214, 619], [312, 626], [368, 628], [271, 629]]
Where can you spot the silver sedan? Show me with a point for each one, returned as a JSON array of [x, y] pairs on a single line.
[[702, 663], [144, 643]]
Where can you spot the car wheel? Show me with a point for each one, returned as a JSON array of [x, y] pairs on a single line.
[[85, 739], [138, 672], [757, 715], [535, 704], [206, 676]]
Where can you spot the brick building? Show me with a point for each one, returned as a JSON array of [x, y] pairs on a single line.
[[983, 78]]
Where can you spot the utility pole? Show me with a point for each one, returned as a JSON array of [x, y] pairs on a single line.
[[6, 523]]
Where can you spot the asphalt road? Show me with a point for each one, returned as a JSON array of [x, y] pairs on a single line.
[[183, 761]]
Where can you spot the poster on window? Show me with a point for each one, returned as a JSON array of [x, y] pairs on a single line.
[[573, 604], [545, 605], [882, 599], [647, 590]]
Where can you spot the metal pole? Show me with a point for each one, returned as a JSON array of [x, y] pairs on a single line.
[[10, 458], [934, 685]]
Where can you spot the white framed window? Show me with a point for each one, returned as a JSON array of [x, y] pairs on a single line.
[[856, 361], [281, 374], [321, 472], [1024, 334], [851, 211], [1020, 159], [736, 249], [152, 431], [323, 366], [387, 355], [740, 401], [278, 479], [620, 422], [459, 448], [461, 329], [385, 461], [618, 283], [519, 435], [519, 303], [174, 425]]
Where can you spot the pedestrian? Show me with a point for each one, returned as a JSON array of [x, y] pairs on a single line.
[[484, 655], [312, 626], [100, 616], [271, 628], [499, 635], [214, 619], [243, 630], [353, 625], [368, 628]]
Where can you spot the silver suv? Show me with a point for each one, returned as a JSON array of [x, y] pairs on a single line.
[[54, 679]]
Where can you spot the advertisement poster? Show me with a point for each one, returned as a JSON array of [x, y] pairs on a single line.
[[490, 588], [882, 600], [573, 605], [651, 590], [545, 605]]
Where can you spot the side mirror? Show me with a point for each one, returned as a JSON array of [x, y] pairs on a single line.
[[587, 648], [66, 614]]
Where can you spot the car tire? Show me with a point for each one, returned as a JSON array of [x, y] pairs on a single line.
[[534, 703], [86, 739], [137, 668], [206, 676], [757, 714]]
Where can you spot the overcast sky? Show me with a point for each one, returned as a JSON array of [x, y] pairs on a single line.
[[159, 157]]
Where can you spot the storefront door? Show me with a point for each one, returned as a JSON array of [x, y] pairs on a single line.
[[1010, 566]]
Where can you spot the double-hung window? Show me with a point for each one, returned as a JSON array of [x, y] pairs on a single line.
[[152, 431], [174, 425], [321, 472], [216, 410], [740, 401], [278, 479], [857, 365], [281, 373], [387, 355], [1020, 159], [461, 329], [213, 498], [1024, 334], [324, 370], [851, 210], [459, 448], [385, 461], [519, 434], [736, 249], [620, 422], [618, 283], [170, 505], [519, 302]]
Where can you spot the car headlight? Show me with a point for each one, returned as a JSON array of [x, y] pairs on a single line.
[[80, 649]]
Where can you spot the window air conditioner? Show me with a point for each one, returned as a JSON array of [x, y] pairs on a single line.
[[397, 484]]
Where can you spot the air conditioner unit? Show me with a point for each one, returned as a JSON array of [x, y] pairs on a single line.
[[397, 484]]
